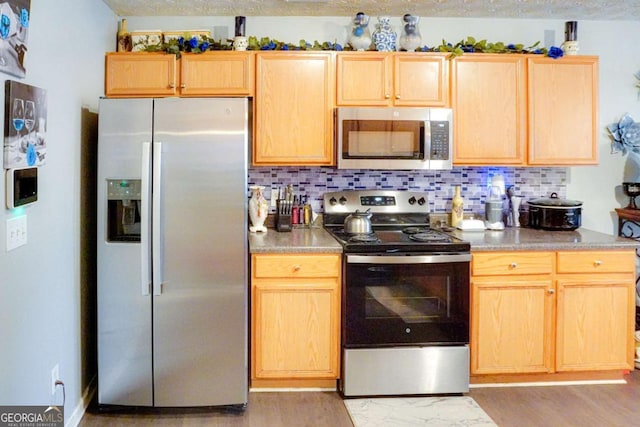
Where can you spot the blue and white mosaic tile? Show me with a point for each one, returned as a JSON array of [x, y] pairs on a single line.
[[529, 183]]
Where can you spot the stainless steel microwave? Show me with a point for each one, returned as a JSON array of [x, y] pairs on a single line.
[[394, 138]]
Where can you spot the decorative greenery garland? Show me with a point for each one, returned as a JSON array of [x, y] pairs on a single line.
[[202, 44]]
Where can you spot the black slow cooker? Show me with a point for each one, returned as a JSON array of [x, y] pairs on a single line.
[[554, 213]]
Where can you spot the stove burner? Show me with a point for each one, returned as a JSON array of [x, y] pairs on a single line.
[[429, 237], [365, 238], [415, 230]]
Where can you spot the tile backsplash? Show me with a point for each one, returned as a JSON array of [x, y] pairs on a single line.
[[315, 181]]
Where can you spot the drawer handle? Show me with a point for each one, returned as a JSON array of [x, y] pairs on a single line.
[[597, 263], [551, 291], [296, 268], [513, 265]]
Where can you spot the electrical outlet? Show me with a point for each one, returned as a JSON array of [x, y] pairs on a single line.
[[55, 376]]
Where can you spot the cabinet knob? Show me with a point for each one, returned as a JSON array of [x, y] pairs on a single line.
[[513, 265], [551, 291], [397, 96], [171, 85], [387, 96], [182, 86], [597, 263], [296, 268]]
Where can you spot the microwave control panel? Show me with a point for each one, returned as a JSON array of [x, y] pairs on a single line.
[[439, 140]]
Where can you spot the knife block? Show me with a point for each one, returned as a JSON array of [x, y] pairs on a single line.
[[283, 216]]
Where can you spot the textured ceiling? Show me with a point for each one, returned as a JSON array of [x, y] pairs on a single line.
[[530, 9]]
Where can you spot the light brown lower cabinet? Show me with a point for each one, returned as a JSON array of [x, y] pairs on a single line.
[[547, 312], [295, 319]]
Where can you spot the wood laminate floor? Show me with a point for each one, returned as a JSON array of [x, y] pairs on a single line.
[[546, 406]]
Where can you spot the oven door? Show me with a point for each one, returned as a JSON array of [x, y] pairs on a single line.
[[396, 300]]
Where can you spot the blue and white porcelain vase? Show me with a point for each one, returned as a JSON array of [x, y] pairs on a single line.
[[410, 39], [384, 38], [360, 38]]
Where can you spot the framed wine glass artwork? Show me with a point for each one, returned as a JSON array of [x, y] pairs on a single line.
[[14, 32], [25, 129]]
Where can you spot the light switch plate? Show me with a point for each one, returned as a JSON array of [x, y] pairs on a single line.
[[16, 232]]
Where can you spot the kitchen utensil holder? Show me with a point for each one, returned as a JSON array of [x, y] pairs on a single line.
[[283, 215]]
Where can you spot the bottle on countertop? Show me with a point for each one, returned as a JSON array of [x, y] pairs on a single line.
[[307, 212], [457, 207], [295, 211]]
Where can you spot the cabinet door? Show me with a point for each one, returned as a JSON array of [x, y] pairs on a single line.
[[217, 74], [595, 322], [364, 79], [511, 325], [563, 110], [295, 327], [140, 74], [294, 109], [421, 80], [489, 103]]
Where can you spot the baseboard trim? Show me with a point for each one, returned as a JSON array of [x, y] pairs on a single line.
[[83, 404], [548, 383]]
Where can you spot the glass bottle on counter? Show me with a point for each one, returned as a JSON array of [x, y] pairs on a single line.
[[457, 207]]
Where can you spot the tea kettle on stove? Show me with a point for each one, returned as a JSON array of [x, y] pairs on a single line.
[[358, 222]]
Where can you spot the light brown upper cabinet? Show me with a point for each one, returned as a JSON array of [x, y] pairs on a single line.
[[140, 74], [392, 79], [488, 97], [527, 110], [563, 110], [224, 73], [130, 74], [294, 109]]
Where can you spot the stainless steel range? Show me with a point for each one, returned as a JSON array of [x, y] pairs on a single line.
[[405, 297]]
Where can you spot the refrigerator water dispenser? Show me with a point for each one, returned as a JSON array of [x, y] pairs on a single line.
[[123, 210]]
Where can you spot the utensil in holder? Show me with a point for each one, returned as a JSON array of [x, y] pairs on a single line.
[[283, 215]]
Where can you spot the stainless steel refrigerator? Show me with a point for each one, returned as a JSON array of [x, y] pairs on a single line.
[[172, 252]]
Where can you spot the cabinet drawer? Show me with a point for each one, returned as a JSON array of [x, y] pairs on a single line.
[[596, 261], [265, 266], [502, 263]]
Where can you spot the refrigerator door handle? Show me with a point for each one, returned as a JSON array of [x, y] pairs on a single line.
[[145, 234], [156, 218]]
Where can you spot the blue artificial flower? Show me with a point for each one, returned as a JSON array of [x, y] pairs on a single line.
[[285, 47], [555, 52], [424, 48], [537, 51], [265, 47], [338, 47], [511, 46], [5, 25], [31, 155], [625, 135], [24, 18], [204, 46], [193, 42], [180, 41]]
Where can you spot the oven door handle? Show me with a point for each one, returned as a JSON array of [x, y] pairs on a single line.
[[407, 259]]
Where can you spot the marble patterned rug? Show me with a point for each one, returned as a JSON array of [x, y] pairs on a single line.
[[449, 411]]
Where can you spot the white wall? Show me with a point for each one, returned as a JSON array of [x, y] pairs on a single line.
[[40, 287], [615, 42]]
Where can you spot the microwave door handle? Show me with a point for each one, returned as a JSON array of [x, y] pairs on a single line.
[[156, 218], [145, 196], [426, 140]]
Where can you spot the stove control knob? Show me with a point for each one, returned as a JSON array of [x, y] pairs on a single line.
[[333, 201], [421, 201], [343, 200], [412, 200]]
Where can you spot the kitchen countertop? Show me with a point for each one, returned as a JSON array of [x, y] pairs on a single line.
[[522, 239], [317, 240], [296, 241]]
